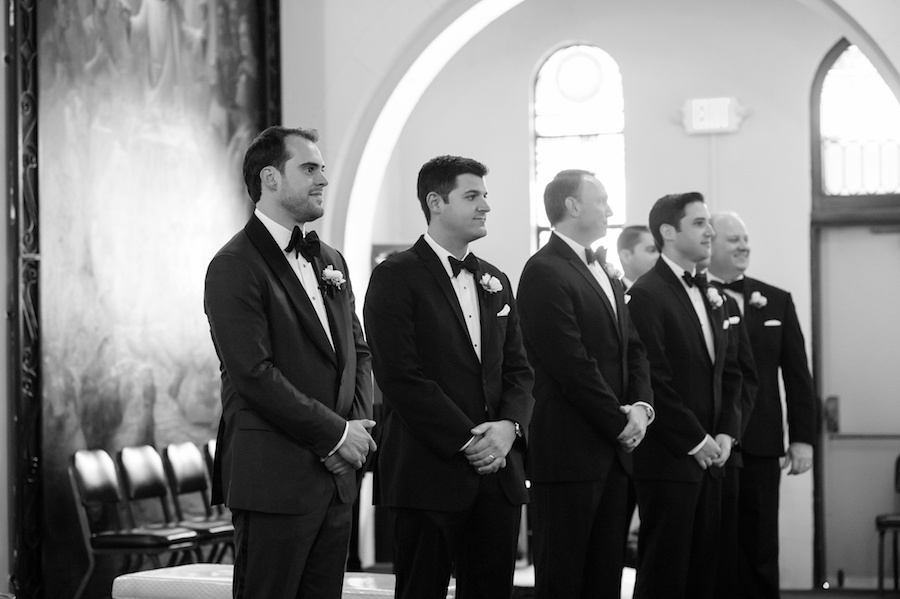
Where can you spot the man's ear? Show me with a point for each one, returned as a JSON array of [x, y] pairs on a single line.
[[270, 177], [667, 231], [435, 202], [573, 206]]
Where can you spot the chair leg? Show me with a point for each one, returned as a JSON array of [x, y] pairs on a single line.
[[87, 576], [880, 562]]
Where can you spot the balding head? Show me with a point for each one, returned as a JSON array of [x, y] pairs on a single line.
[[730, 246]]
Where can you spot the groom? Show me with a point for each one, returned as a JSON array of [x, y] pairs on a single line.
[[296, 380], [447, 351]]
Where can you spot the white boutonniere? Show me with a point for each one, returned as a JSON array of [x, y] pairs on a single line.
[[333, 278], [490, 283], [715, 298], [611, 271], [758, 300]]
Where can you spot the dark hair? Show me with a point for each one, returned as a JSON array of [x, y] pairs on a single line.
[[439, 175], [269, 149], [669, 210], [630, 236], [565, 184]]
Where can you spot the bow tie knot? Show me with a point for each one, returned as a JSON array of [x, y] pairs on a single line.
[[307, 246], [699, 280], [736, 286], [470, 263], [591, 256]]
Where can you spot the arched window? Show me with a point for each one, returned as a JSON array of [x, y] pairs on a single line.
[[579, 123]]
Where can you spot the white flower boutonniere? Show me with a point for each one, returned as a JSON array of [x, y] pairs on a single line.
[[611, 271], [715, 298], [490, 283], [758, 300], [333, 277]]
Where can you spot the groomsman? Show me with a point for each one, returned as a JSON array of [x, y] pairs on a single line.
[[592, 397], [447, 352], [778, 344], [696, 389], [637, 252]]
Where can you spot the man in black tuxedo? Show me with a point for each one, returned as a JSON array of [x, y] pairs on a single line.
[[777, 342], [592, 397], [448, 355], [296, 380], [696, 391]]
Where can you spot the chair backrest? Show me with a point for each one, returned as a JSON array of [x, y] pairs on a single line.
[[143, 476], [186, 471], [95, 478]]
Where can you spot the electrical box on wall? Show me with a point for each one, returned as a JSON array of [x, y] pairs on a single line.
[[702, 116]]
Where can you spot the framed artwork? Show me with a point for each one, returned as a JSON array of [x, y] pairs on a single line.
[[132, 118]]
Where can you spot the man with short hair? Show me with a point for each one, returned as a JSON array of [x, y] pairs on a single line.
[[778, 345], [637, 252], [296, 380], [696, 385], [592, 397], [448, 355]]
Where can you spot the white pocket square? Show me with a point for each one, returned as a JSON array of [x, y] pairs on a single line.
[[725, 324], [734, 319], [504, 311], [772, 323], [627, 298]]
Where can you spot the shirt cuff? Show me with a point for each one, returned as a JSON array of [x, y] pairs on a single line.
[[469, 442], [341, 442], [700, 445], [651, 413]]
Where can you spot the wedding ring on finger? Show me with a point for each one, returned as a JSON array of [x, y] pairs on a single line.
[[491, 458]]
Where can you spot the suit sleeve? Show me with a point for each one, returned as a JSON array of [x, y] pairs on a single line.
[[676, 424], [235, 301], [554, 338], [516, 401], [420, 403], [749, 378], [730, 422], [363, 396], [798, 385]]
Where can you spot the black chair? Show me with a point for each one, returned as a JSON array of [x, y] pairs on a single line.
[[883, 524], [95, 486], [186, 472]]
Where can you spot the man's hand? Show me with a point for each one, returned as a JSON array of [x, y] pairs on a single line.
[[725, 442], [358, 443], [799, 458], [493, 440], [635, 429], [337, 465], [708, 452]]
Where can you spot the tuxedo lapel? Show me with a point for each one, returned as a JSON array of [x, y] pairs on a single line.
[[565, 251], [434, 266], [337, 312], [274, 257], [751, 315], [678, 290]]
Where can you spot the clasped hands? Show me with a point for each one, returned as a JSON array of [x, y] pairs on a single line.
[[714, 452], [490, 444], [635, 429], [351, 455]]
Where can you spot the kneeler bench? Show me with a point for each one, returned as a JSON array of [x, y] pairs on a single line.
[[213, 581]]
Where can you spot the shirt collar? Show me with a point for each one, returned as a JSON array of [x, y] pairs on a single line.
[[443, 254], [281, 235], [576, 247]]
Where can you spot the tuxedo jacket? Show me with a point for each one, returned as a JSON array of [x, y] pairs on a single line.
[[435, 388], [777, 343], [587, 360], [286, 394], [693, 396], [739, 345]]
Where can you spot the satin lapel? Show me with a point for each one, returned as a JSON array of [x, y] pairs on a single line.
[[565, 251], [337, 312], [436, 269], [751, 314], [486, 312], [274, 257], [716, 321], [677, 289]]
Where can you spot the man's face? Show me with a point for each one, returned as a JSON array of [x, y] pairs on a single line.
[[303, 182], [640, 258], [595, 210], [730, 248], [464, 214], [694, 238]]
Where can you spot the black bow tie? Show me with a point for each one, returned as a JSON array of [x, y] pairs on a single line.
[[736, 286], [308, 246], [699, 280], [591, 256], [470, 263]]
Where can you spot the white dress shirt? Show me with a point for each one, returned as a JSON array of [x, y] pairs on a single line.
[[466, 293]]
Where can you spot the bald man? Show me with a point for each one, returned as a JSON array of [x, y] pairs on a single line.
[[778, 345]]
